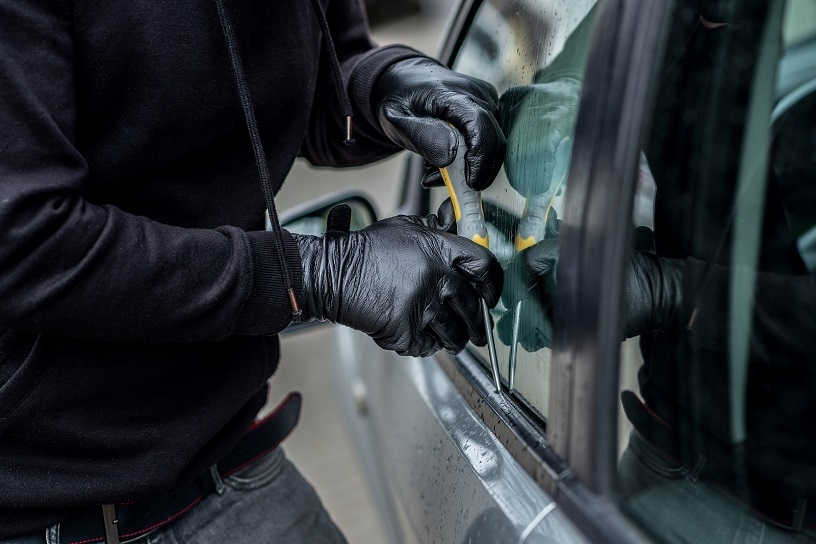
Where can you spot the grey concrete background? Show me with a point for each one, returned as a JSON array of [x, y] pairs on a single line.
[[319, 446]]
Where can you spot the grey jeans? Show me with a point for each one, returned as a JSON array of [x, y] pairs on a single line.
[[667, 500], [268, 502]]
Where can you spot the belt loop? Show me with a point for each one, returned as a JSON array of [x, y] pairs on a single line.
[[694, 473], [799, 514], [110, 522], [217, 480], [52, 534]]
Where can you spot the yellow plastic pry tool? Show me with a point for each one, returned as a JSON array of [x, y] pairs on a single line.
[[470, 223]]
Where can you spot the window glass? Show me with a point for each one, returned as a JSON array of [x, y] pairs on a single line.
[[534, 52], [720, 292]]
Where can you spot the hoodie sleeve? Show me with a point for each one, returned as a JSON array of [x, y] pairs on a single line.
[[361, 62], [775, 336], [75, 268]]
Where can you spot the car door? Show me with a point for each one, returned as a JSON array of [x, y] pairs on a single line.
[[585, 90], [451, 459]]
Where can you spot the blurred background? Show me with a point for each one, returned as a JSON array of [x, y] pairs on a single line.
[[319, 446]]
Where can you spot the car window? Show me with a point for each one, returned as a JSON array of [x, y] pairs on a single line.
[[800, 23], [718, 378], [534, 52]]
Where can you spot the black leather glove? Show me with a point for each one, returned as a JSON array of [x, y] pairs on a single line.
[[539, 121], [652, 294], [406, 281], [419, 99]]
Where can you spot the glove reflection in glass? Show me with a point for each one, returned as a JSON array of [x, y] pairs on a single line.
[[530, 278], [408, 282], [423, 106], [539, 122], [652, 292]]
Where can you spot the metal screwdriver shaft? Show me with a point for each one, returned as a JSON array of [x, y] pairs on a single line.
[[470, 223]]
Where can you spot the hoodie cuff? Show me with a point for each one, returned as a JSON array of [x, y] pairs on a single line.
[[366, 71], [267, 310]]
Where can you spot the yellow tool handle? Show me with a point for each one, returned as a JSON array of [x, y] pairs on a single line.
[[467, 203], [470, 223], [533, 225]]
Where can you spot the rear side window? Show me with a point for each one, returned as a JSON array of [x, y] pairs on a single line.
[[719, 403], [534, 52]]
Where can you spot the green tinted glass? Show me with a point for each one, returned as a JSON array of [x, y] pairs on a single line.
[[534, 52], [725, 392]]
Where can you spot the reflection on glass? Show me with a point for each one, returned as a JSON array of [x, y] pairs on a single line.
[[723, 447], [534, 52]]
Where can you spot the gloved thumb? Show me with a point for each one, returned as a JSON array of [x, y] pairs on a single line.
[[444, 220], [435, 140], [542, 262], [432, 177]]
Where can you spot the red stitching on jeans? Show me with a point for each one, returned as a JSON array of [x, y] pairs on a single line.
[[147, 530]]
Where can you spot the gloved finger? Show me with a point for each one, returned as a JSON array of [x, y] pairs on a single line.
[[444, 220], [504, 327], [518, 283], [421, 346], [536, 336], [463, 306], [487, 147], [643, 239], [478, 266], [530, 162], [450, 330], [339, 219], [410, 342], [534, 326], [432, 178], [432, 138], [446, 217], [541, 260], [553, 225], [509, 104]]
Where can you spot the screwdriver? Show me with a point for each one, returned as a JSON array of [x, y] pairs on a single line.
[[470, 223]]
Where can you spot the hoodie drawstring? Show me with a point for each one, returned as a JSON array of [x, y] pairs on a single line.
[[255, 136], [260, 156], [339, 86]]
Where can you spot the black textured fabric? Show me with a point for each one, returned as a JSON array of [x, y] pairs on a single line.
[[138, 293]]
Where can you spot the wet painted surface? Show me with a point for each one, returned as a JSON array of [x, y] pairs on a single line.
[[447, 475]]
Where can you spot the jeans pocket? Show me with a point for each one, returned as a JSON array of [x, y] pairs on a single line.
[[259, 473], [655, 461]]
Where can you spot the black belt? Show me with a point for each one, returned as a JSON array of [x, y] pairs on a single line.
[[762, 498], [130, 521]]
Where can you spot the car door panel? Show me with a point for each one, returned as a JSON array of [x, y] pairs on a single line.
[[448, 477], [450, 460]]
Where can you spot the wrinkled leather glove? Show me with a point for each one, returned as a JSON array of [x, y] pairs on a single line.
[[652, 293], [539, 122], [405, 281], [419, 99]]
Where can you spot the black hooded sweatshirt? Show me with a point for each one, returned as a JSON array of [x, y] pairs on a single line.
[[139, 293]]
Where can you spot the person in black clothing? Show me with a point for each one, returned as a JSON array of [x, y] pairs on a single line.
[[140, 295], [705, 463]]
